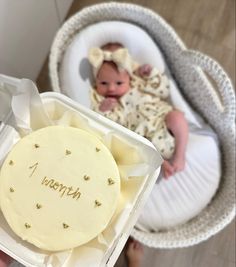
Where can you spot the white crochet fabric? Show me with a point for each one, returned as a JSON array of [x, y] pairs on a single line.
[[199, 93]]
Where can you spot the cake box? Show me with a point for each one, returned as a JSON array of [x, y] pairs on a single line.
[[23, 110]]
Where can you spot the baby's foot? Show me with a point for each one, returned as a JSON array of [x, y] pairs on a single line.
[[108, 104], [168, 169], [134, 253]]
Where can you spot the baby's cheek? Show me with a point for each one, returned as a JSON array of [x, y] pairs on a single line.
[[101, 90], [124, 89]]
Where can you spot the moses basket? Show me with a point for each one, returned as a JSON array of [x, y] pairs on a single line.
[[216, 104]]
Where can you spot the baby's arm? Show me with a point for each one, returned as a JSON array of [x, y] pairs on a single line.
[[177, 124]]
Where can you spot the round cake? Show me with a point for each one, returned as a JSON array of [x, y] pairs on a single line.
[[59, 187]]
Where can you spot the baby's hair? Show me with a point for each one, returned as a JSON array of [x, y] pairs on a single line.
[[111, 46]]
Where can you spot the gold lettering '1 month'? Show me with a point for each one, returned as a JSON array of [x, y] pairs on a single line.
[[33, 168], [61, 188]]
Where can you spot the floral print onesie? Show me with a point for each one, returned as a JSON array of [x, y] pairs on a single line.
[[143, 109]]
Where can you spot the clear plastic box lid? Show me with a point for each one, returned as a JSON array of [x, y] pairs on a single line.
[[23, 251]]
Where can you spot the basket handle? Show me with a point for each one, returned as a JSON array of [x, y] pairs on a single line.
[[226, 94]]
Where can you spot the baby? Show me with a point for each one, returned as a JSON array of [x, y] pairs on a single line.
[[135, 96]]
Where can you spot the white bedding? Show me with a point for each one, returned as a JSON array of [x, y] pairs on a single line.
[[184, 195], [181, 197]]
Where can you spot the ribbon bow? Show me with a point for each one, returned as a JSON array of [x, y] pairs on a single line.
[[120, 57]]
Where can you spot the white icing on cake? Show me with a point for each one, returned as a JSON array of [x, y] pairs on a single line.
[[59, 187]]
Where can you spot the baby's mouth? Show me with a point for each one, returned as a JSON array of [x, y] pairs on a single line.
[[113, 95]]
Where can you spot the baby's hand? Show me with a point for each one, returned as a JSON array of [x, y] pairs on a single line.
[[144, 70], [167, 169], [108, 104], [178, 163]]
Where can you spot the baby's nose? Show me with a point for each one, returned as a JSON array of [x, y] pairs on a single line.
[[111, 87]]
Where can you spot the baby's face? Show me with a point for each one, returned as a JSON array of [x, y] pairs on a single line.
[[110, 82]]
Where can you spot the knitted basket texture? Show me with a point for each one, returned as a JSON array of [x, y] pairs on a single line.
[[215, 102]]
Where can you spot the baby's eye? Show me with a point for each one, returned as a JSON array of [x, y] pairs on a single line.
[[103, 83], [119, 83]]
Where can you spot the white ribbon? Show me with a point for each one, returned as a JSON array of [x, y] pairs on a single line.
[[120, 57]]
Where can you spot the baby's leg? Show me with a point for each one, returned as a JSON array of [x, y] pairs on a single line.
[[4, 259], [177, 124]]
